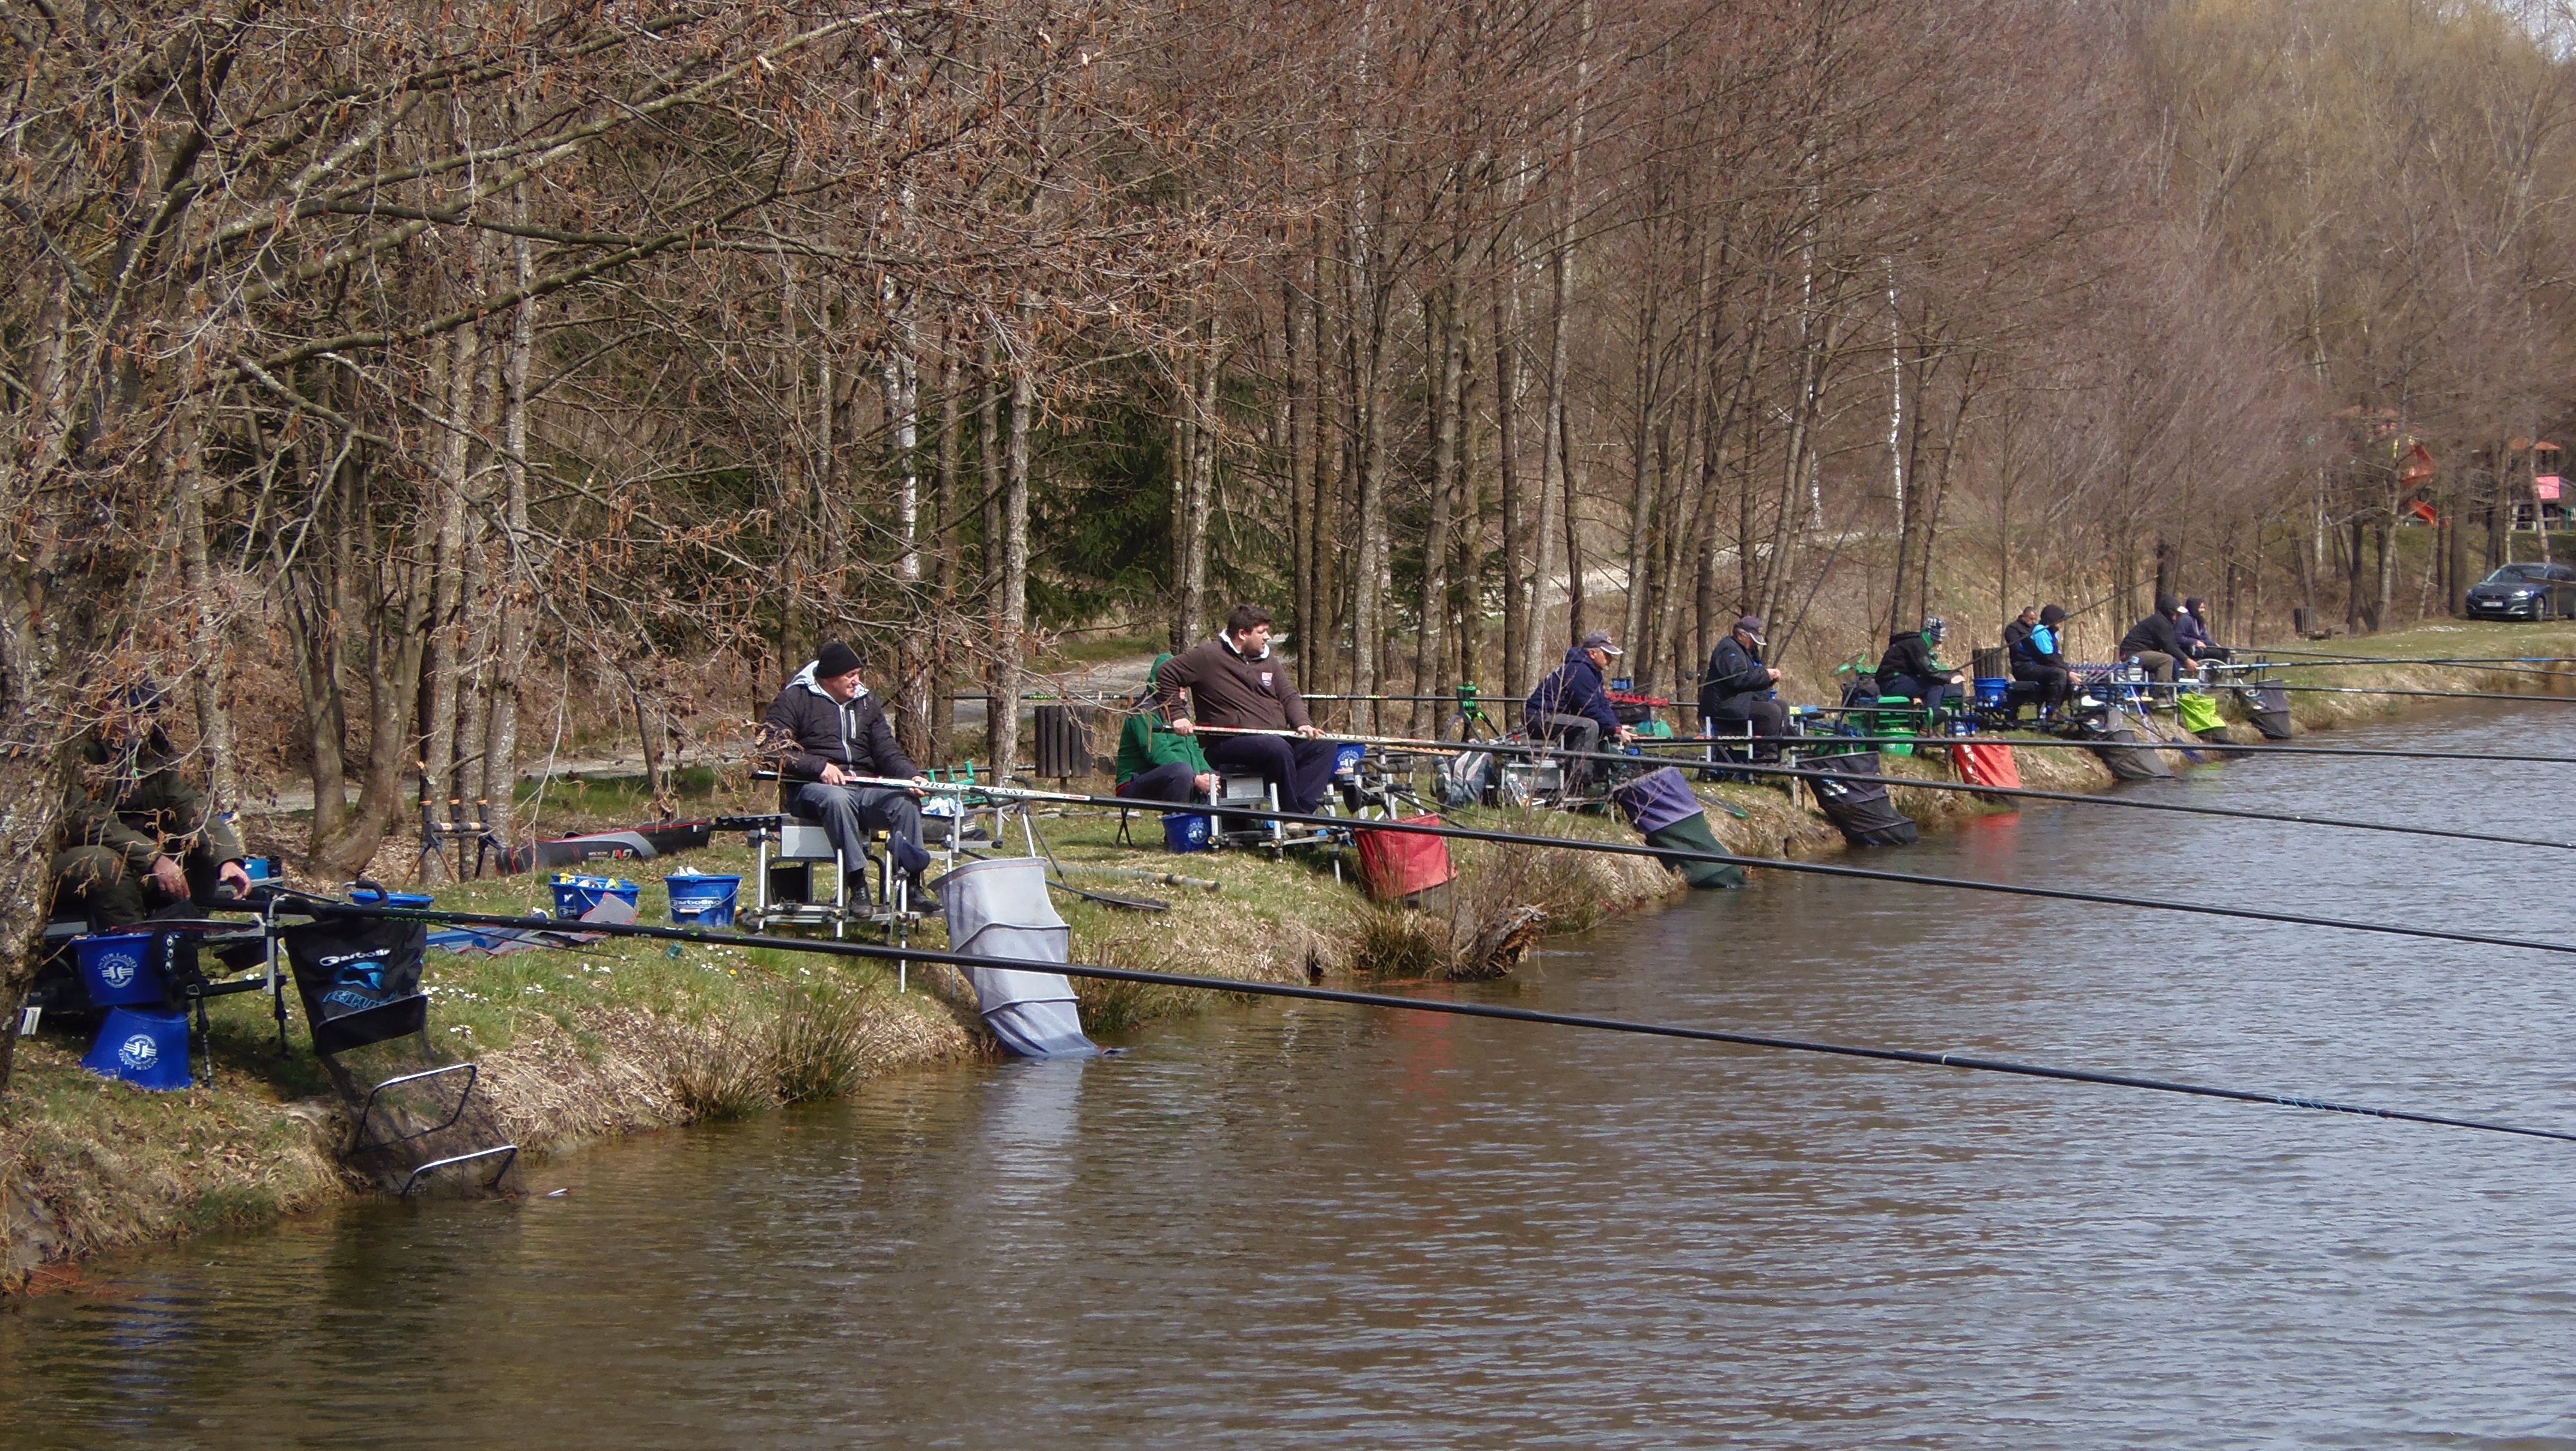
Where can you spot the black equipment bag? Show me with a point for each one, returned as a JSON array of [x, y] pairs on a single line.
[[360, 980], [2133, 762], [2267, 704], [1860, 809]]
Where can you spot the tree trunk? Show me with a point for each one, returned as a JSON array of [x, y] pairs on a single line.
[[206, 617], [447, 575], [1010, 645], [514, 595], [945, 544], [1444, 325]]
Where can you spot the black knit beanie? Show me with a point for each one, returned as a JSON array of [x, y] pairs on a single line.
[[836, 659]]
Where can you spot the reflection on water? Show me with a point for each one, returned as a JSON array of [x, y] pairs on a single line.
[[1305, 1225]]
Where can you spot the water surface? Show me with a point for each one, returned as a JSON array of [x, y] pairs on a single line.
[[1312, 1226]]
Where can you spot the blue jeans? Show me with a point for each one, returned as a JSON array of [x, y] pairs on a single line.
[[850, 813]]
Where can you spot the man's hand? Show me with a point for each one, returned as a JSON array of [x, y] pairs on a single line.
[[834, 776], [235, 876], [1627, 734], [1207, 783], [1310, 731], [1181, 725], [920, 785], [169, 877], [1774, 673]]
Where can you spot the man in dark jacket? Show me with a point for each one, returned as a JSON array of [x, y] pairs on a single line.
[[1736, 692], [2191, 627], [825, 732], [1571, 704], [1909, 669], [1235, 684], [2037, 646], [2153, 641], [137, 835]]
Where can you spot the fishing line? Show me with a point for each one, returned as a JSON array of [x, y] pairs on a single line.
[[1499, 1012], [1680, 855]]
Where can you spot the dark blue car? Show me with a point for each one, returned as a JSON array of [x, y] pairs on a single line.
[[2531, 591]]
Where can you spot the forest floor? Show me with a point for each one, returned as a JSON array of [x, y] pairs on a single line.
[[624, 1035]]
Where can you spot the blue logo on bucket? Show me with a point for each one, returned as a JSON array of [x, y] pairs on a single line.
[[117, 969], [138, 1052]]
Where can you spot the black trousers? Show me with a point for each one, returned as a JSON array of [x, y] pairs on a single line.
[[1170, 781], [2055, 683], [1299, 767], [1931, 692], [1765, 717]]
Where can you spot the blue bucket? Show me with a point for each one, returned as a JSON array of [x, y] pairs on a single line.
[[119, 967], [1347, 758], [367, 897], [702, 899], [263, 868], [577, 895], [1185, 831], [148, 1050], [1992, 692]]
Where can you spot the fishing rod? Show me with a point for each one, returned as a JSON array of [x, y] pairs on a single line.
[[2495, 667], [1547, 749], [2250, 748], [1679, 855], [2429, 694], [840, 948], [2079, 798], [2347, 657]]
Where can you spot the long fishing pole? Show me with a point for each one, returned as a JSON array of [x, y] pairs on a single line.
[[2251, 748], [2028, 793], [1682, 855], [839, 948], [2079, 798], [2428, 694]]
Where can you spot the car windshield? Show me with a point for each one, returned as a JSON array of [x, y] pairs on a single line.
[[2517, 574]]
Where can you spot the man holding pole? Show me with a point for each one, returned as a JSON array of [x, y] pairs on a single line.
[[826, 734], [1236, 685]]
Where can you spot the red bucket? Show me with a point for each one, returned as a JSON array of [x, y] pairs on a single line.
[[1397, 864]]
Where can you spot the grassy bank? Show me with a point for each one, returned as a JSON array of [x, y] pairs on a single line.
[[622, 1036]]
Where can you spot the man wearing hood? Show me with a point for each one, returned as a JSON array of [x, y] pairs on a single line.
[[1156, 762], [1909, 669], [137, 836], [2039, 656], [1571, 704], [1239, 686], [1737, 690], [2154, 643], [825, 732], [2191, 627]]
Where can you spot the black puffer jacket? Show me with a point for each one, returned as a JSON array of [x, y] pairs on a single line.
[[805, 728], [2155, 632], [1908, 654], [1735, 675]]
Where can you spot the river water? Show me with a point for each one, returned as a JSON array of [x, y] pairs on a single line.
[[1309, 1225]]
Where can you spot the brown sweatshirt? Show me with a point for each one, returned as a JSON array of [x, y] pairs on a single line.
[[1230, 690]]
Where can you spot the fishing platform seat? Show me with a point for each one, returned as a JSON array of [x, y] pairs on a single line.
[[790, 846]]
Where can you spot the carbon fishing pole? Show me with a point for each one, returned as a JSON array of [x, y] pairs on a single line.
[[2073, 797], [1302, 992], [2251, 748], [1681, 855]]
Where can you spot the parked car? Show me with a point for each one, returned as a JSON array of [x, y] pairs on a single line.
[[2525, 591]]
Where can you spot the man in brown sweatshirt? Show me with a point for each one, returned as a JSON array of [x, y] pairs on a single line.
[[1234, 682]]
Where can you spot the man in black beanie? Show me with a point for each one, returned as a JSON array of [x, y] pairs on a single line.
[[825, 731]]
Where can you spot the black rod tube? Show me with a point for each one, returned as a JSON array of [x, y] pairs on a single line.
[[839, 948], [1820, 869]]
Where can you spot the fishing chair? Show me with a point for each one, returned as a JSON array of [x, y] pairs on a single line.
[[791, 845]]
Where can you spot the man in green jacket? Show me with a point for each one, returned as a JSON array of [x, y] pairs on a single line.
[[1157, 763], [136, 834]]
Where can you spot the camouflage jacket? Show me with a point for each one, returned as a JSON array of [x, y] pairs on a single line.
[[142, 806]]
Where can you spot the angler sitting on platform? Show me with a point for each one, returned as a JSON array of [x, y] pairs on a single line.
[[2154, 643], [825, 732], [2191, 627], [1571, 704], [1237, 685], [2038, 648], [1736, 692], [137, 836], [1910, 670], [1155, 762]]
